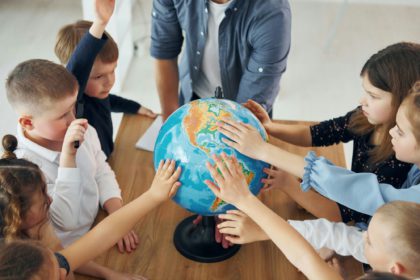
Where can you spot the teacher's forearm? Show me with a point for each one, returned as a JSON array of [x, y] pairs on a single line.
[[167, 82]]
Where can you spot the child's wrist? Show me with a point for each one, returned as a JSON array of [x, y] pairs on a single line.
[[264, 152], [245, 201], [67, 160], [155, 198]]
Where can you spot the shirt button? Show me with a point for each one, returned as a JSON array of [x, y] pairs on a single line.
[[260, 69], [154, 13], [235, 9], [206, 10], [202, 33], [198, 52], [195, 67]]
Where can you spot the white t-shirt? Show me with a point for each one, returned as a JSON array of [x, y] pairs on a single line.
[[210, 68]]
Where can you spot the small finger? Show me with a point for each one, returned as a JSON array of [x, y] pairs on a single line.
[[221, 165], [174, 189], [213, 187], [176, 174], [229, 231], [236, 212], [120, 246], [214, 173]]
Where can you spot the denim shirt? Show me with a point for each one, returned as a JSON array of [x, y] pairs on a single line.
[[254, 42]]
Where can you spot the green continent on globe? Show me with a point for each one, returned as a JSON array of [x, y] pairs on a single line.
[[201, 120]]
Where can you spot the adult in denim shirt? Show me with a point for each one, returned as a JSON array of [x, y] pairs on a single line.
[[248, 42]]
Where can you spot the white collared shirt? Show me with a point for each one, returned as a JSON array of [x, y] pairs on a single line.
[[343, 239], [76, 192]]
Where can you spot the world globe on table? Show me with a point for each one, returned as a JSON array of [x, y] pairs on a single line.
[[190, 137]]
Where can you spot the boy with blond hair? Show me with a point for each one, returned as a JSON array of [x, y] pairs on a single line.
[[98, 102], [44, 95]]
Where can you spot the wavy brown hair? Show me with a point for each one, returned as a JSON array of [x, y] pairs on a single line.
[[20, 181], [394, 69]]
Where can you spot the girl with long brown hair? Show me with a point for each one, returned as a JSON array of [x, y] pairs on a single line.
[[387, 78]]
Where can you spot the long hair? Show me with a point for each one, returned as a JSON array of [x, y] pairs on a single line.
[[20, 181], [394, 69]]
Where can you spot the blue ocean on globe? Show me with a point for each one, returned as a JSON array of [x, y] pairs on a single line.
[[190, 137]]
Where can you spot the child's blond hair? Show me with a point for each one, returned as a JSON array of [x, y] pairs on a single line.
[[403, 223], [36, 85], [69, 37]]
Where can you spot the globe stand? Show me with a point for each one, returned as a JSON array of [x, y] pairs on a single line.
[[197, 242]]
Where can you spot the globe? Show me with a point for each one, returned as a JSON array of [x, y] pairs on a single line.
[[190, 136]]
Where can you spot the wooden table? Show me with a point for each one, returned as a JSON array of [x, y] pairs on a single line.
[[156, 256]]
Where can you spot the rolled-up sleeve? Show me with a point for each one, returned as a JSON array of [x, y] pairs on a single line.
[[66, 196], [359, 191], [271, 44], [166, 38]]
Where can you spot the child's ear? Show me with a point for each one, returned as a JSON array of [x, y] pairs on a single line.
[[26, 122], [398, 269]]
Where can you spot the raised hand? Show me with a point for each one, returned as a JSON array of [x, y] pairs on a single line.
[[231, 185], [260, 113], [244, 137], [165, 184], [104, 10], [239, 228]]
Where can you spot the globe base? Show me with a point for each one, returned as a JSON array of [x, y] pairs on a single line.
[[197, 242]]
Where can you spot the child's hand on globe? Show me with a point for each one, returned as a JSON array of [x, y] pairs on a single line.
[[260, 113], [165, 184], [231, 185], [244, 138]]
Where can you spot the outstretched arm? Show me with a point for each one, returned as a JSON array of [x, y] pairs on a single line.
[[292, 133], [232, 188], [247, 140], [112, 228], [81, 61]]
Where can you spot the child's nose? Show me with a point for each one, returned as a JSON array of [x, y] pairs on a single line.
[[362, 100], [392, 131]]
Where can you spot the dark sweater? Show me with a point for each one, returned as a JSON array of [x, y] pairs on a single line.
[[97, 111]]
